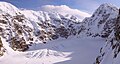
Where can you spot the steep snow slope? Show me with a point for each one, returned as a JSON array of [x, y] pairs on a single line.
[[101, 22], [104, 23], [110, 52]]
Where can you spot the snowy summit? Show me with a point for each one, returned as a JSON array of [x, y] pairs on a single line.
[[52, 37]]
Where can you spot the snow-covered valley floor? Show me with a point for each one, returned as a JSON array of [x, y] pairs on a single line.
[[61, 51]]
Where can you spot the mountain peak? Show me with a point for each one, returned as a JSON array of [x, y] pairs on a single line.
[[6, 7], [4, 3], [105, 9], [108, 6]]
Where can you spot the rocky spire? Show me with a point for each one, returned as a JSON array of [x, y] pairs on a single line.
[[119, 11], [117, 27]]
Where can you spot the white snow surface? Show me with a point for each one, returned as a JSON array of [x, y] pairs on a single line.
[[61, 51], [64, 10], [8, 8]]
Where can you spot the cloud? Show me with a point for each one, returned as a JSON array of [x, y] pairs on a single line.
[[63, 9]]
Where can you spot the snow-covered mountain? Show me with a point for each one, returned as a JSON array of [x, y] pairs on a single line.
[[64, 10], [105, 23], [31, 34], [21, 28], [101, 21]]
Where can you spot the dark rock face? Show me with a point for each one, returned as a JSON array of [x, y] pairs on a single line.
[[117, 27], [2, 50], [62, 32], [19, 45], [116, 45]]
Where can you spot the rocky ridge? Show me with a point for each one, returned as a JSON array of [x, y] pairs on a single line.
[[21, 28]]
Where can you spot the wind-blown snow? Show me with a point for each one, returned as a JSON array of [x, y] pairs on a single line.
[[64, 10]]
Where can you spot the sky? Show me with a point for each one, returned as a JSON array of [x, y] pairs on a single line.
[[81, 7], [84, 5]]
